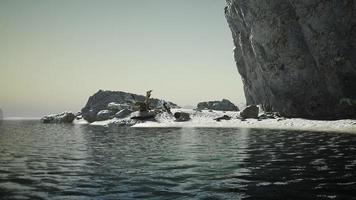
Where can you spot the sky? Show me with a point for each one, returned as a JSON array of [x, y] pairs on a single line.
[[54, 54]]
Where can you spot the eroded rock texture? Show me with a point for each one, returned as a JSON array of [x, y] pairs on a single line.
[[297, 57], [100, 100]]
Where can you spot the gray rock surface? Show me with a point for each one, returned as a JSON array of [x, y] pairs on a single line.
[[249, 112], [65, 117], [144, 115], [296, 57], [182, 116], [223, 105], [113, 106], [100, 100], [123, 113], [104, 115]]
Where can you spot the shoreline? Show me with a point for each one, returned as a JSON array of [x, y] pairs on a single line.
[[205, 119]]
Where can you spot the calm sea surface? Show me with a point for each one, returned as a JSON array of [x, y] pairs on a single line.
[[39, 161]]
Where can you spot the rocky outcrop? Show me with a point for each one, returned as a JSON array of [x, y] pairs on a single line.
[[100, 100], [181, 116], [65, 117], [296, 57], [249, 112], [223, 105]]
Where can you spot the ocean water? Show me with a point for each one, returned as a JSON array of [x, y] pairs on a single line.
[[43, 161]]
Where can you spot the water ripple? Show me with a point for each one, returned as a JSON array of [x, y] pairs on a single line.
[[83, 162]]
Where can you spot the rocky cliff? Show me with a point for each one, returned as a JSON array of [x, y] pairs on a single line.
[[296, 57]]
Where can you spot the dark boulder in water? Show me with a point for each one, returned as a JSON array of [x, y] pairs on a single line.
[[223, 105], [65, 117], [296, 57]]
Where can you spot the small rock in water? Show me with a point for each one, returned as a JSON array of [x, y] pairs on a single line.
[[104, 115], [225, 117], [182, 116], [123, 113], [65, 117], [249, 112]]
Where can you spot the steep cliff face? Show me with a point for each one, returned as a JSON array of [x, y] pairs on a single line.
[[297, 57]]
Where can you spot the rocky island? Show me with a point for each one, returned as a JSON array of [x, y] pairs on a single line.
[[127, 109]]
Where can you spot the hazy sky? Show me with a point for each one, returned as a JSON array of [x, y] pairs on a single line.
[[54, 54]]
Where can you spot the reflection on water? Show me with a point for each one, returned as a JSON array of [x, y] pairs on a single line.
[[39, 161]]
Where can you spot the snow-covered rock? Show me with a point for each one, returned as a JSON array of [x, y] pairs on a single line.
[[104, 115], [123, 113], [65, 117], [100, 100], [113, 106]]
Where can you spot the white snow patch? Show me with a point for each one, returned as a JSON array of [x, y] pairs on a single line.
[[206, 119]]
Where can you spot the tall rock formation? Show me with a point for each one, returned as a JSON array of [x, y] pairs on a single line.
[[297, 57]]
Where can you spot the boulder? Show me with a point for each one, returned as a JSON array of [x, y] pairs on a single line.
[[181, 116], [249, 112], [123, 113], [223, 105], [100, 100], [296, 57], [65, 117], [104, 115], [225, 117]]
